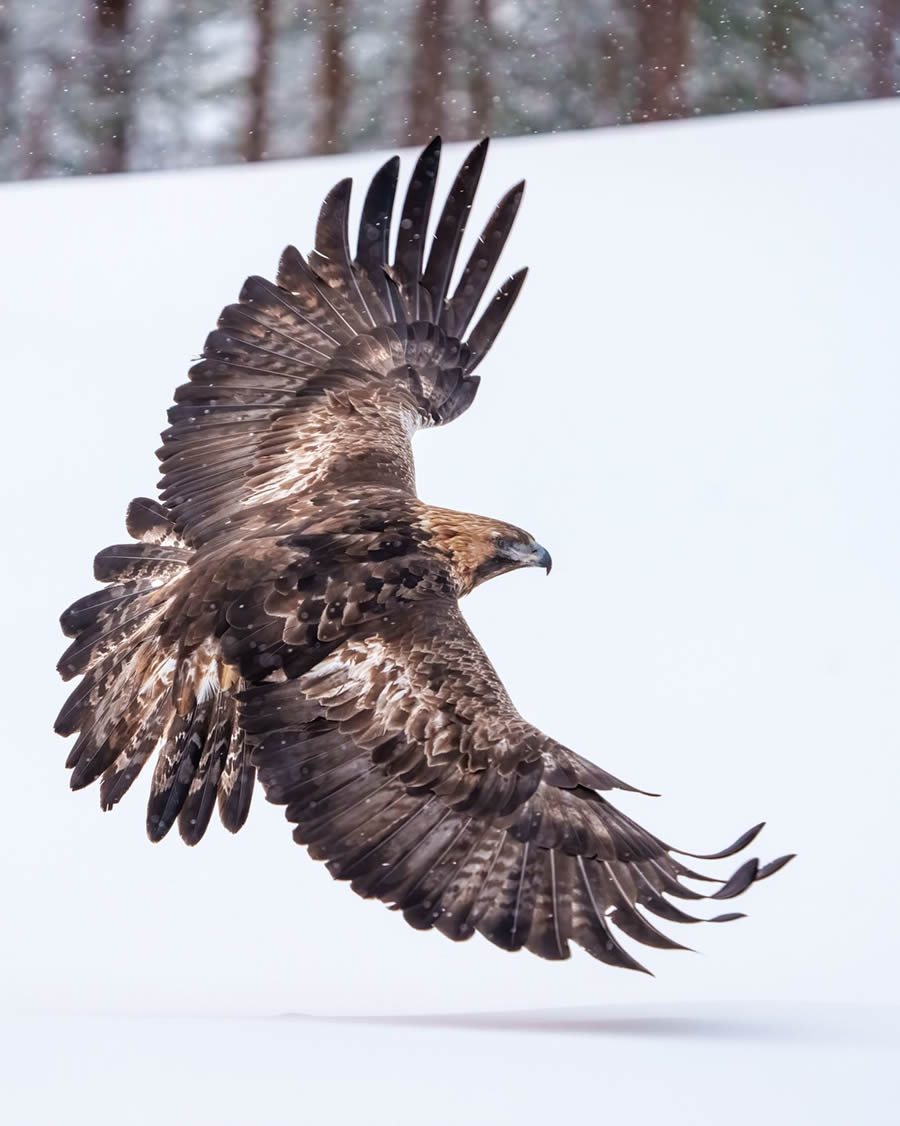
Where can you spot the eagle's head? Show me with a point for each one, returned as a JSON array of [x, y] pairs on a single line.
[[480, 548]]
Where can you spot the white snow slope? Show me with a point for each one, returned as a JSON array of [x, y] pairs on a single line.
[[695, 406]]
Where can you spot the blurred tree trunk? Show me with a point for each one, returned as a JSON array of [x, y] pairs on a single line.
[[479, 69], [260, 80], [664, 38], [332, 76], [37, 123], [885, 23], [427, 112], [112, 85], [8, 67], [784, 30]]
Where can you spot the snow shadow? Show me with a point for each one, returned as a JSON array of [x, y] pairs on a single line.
[[783, 1024]]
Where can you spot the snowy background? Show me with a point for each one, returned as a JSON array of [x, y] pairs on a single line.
[[694, 406]]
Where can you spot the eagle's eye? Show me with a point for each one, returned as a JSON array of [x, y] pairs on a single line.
[[506, 546]]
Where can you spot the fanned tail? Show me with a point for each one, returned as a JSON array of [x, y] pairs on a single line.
[[127, 707]]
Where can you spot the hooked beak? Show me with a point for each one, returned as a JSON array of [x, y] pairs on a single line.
[[540, 557], [526, 553]]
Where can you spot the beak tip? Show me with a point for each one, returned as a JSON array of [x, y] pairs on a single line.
[[543, 558]]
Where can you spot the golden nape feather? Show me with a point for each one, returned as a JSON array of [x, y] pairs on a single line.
[[288, 608]]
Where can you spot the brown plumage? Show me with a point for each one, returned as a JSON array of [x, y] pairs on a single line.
[[289, 607]]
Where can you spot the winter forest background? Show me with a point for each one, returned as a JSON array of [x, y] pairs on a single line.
[[113, 85]]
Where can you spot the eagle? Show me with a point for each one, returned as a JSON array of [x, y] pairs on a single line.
[[288, 609]]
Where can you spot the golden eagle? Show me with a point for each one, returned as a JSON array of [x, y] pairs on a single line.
[[290, 608]]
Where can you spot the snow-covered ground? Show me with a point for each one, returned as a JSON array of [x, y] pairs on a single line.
[[695, 405], [681, 1065]]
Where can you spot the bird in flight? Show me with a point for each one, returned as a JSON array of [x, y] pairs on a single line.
[[288, 609]]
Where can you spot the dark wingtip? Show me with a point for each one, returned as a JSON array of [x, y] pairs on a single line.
[[743, 840], [618, 784], [451, 226], [335, 207], [432, 151], [339, 193], [459, 310], [477, 156], [414, 219], [492, 319], [774, 866], [373, 238], [739, 882], [389, 172]]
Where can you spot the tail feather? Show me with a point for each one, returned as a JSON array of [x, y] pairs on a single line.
[[84, 613], [175, 768], [85, 696], [118, 778], [200, 801], [139, 696], [147, 520], [139, 560], [236, 783], [91, 756], [105, 637]]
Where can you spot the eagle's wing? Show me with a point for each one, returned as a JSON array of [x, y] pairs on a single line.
[[323, 376], [310, 387], [403, 763]]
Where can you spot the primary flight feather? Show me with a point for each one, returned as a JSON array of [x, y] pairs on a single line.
[[289, 608]]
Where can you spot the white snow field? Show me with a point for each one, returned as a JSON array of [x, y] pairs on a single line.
[[695, 406]]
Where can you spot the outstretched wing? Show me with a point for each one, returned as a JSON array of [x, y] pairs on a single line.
[[404, 765], [324, 375]]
